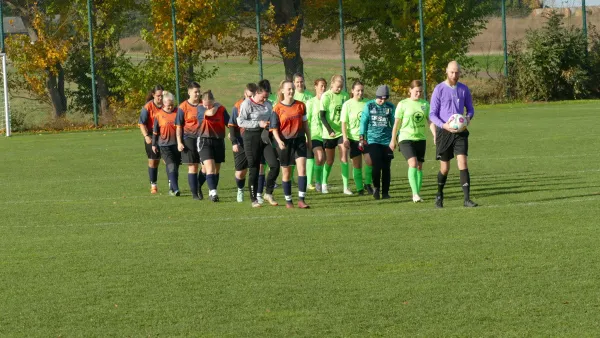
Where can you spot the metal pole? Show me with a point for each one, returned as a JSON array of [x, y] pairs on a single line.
[[423, 65], [342, 38], [92, 63], [6, 107], [505, 44], [1, 27], [584, 18], [175, 50], [260, 61]]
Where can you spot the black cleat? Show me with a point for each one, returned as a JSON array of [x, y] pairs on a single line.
[[376, 194], [200, 195], [470, 204], [196, 197], [361, 193], [385, 196], [439, 201], [214, 198], [369, 189]]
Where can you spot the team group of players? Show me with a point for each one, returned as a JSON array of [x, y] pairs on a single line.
[[290, 129]]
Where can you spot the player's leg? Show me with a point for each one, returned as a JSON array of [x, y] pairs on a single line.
[[368, 176], [153, 161], [386, 171], [376, 159], [356, 156], [461, 150], [190, 156], [253, 153], [241, 169], [343, 152], [319, 161], [330, 146], [172, 161], [300, 160], [409, 151], [421, 147], [310, 165], [218, 148], [261, 179], [274, 168]]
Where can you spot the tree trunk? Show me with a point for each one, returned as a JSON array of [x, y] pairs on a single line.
[[102, 93], [285, 12], [56, 92]]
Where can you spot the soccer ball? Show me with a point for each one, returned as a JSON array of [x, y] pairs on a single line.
[[457, 121]]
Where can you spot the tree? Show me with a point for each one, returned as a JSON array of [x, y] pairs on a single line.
[[388, 38], [40, 56]]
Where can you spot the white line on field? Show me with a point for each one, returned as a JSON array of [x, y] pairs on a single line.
[[284, 215]]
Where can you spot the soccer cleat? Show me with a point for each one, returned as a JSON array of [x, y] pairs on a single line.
[[348, 192], [289, 205], [385, 196], [214, 198], [240, 196], [200, 195], [310, 187], [361, 193], [439, 201], [318, 187], [154, 189], [303, 205], [256, 205], [259, 199], [417, 199], [174, 193], [376, 193], [470, 204], [324, 189], [196, 197], [369, 189], [269, 198]]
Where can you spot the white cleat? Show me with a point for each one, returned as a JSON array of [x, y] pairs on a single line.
[[417, 199], [324, 189], [240, 196], [348, 192]]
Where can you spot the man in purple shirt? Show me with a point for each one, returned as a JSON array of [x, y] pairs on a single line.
[[451, 97]]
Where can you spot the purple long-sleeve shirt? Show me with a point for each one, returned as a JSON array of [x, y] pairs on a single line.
[[447, 101]]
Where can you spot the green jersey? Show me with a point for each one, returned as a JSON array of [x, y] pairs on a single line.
[[314, 120], [332, 103], [303, 97], [414, 115], [351, 113], [273, 99]]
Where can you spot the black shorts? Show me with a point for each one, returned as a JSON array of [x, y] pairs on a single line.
[[189, 155], [317, 143], [412, 149], [170, 154], [239, 159], [211, 149], [151, 155], [354, 151], [333, 143], [450, 144], [294, 148], [380, 153]]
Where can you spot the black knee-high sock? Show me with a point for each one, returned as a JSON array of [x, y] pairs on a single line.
[[261, 184], [465, 182], [201, 179], [441, 182], [240, 183], [193, 182], [153, 174]]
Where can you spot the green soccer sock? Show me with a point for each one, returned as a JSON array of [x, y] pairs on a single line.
[[326, 173], [419, 180], [318, 174], [310, 166], [368, 174], [413, 180], [345, 173], [358, 179]]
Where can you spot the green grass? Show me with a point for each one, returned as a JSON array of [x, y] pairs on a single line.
[[86, 251]]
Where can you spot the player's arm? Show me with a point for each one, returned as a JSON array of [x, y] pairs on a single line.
[[434, 111], [155, 133], [469, 105], [398, 116], [274, 129], [179, 123], [323, 114], [142, 123], [364, 126], [307, 132]]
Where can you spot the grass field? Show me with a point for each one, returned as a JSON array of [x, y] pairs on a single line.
[[86, 251]]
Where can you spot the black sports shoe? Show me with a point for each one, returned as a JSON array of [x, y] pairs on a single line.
[[200, 195], [385, 196], [196, 197], [214, 198], [470, 204], [369, 189], [361, 193], [376, 193], [439, 201]]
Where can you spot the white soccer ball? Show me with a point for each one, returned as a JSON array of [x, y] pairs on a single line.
[[458, 122]]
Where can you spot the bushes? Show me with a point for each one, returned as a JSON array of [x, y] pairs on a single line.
[[551, 64]]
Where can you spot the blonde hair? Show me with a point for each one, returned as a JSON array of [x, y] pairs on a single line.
[[336, 78], [281, 84], [168, 95], [208, 96]]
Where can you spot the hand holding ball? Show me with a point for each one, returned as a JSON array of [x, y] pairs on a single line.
[[458, 122]]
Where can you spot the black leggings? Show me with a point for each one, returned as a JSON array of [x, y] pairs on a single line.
[[255, 148], [381, 156]]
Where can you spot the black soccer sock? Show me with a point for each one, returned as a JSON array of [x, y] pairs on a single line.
[[441, 181], [211, 181], [302, 182], [287, 190], [465, 182], [261, 184], [153, 174], [240, 183], [193, 182], [201, 179]]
